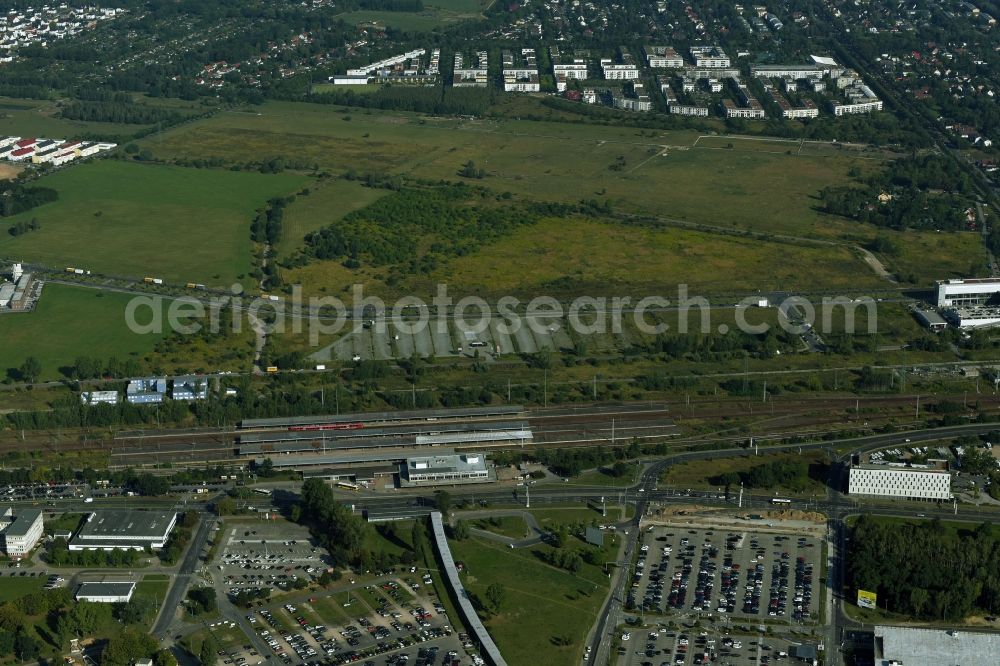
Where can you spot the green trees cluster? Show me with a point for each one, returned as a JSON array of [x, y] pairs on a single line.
[[17, 197], [332, 523], [88, 367], [438, 100], [924, 570], [570, 462], [21, 228], [60, 555], [122, 110], [179, 537], [201, 600], [790, 474], [448, 220], [918, 192]]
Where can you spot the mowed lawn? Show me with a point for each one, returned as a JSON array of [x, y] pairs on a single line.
[[542, 605], [124, 218], [14, 587], [69, 322]]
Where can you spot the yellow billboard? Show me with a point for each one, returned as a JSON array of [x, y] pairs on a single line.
[[867, 599]]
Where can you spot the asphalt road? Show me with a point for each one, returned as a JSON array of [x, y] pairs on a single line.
[[182, 579]]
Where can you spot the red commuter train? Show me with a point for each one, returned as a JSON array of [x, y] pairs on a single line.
[[355, 425]]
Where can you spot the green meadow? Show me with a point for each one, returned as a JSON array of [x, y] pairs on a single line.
[[70, 322], [126, 218]]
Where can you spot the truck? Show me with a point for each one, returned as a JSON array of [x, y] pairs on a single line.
[[272, 368], [70, 269], [78, 271], [321, 367], [157, 281]]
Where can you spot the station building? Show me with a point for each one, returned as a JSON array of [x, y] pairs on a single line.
[[445, 469]]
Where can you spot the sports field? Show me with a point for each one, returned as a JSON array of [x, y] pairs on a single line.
[[69, 322], [126, 218]]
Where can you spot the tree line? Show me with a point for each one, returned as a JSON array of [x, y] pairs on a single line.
[[17, 197], [925, 570]]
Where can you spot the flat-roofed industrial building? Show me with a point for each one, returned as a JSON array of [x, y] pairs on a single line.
[[909, 646], [105, 592], [134, 530]]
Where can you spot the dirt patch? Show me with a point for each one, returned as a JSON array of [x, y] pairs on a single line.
[[9, 171]]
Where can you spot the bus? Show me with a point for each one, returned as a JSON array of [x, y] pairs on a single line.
[[347, 485], [262, 491], [777, 500]]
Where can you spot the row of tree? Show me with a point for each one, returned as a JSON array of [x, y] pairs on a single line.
[[925, 570]]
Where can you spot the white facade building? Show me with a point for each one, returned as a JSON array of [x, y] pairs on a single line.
[[905, 482], [966, 293], [709, 56], [99, 398], [21, 531], [430, 470]]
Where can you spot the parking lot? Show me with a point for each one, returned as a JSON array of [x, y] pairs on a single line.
[[401, 339], [745, 575], [260, 554], [656, 645], [382, 623]]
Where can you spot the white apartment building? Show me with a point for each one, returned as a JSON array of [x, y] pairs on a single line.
[[663, 57], [709, 56], [904, 482], [20, 531]]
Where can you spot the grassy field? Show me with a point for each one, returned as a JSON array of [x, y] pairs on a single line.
[[70, 322], [436, 14], [326, 203], [660, 172], [508, 526], [28, 117], [125, 218], [632, 259], [14, 587], [543, 606], [699, 473]]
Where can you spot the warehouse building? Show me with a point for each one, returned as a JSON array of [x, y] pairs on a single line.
[[133, 530], [20, 531], [106, 593], [445, 469], [900, 482], [906, 646]]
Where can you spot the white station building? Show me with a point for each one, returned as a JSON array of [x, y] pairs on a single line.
[[445, 469], [899, 482]]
